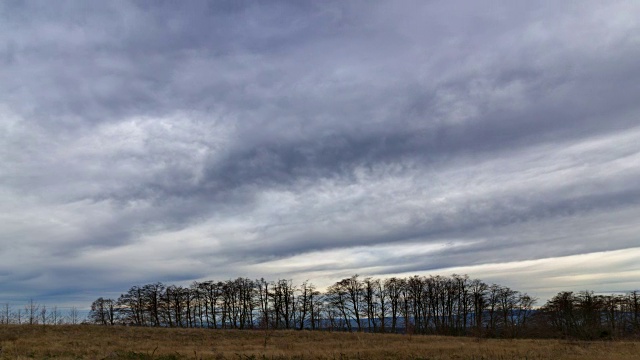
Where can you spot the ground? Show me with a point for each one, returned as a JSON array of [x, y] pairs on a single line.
[[95, 342]]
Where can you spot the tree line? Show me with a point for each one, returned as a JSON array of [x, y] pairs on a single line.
[[586, 315], [455, 305], [33, 314], [445, 305]]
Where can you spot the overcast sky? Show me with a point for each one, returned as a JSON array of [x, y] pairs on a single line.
[[177, 141]]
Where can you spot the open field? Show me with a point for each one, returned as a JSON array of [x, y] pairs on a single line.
[[94, 342]]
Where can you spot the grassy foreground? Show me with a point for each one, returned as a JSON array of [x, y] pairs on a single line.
[[94, 342]]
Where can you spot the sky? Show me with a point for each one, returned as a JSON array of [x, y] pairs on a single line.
[[145, 141]]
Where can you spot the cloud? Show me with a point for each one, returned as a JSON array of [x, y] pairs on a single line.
[[172, 142]]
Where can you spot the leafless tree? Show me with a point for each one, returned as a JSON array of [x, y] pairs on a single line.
[[478, 293], [212, 291], [103, 311], [152, 294], [394, 289], [304, 306], [371, 301], [337, 299], [43, 314], [54, 316], [31, 310], [283, 300], [6, 314], [354, 289], [262, 287], [73, 315], [132, 307]]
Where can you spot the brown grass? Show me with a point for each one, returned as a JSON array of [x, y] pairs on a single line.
[[94, 342]]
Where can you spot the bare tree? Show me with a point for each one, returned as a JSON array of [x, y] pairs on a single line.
[[31, 310], [43, 314], [381, 293], [318, 310], [305, 304], [354, 289], [493, 307], [212, 292], [633, 308], [523, 312], [478, 298], [337, 296], [283, 300], [371, 300], [263, 302], [103, 311], [132, 307], [153, 296], [73, 315], [54, 316], [247, 304], [6, 314]]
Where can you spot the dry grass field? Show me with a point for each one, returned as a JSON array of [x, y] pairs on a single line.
[[93, 342]]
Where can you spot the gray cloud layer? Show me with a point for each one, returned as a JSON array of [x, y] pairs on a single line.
[[145, 141]]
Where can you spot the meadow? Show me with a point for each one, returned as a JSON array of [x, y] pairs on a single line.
[[122, 342]]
